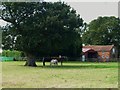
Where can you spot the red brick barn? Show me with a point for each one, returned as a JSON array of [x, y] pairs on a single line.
[[100, 52]]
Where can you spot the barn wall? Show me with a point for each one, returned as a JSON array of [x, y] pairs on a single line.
[[104, 56]]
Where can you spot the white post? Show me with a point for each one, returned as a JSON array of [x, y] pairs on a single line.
[[83, 58]]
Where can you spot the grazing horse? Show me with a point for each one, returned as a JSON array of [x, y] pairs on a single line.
[[56, 59], [54, 62]]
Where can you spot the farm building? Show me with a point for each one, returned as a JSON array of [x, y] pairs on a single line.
[[99, 52]]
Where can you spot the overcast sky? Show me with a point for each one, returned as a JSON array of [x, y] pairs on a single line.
[[91, 10]]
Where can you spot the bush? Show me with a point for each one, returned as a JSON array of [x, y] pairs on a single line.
[[13, 53]]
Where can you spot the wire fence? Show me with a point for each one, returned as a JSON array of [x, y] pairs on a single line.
[[6, 58], [64, 59]]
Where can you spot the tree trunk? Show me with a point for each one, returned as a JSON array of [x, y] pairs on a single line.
[[30, 60]]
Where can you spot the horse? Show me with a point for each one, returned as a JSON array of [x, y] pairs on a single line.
[[49, 59], [54, 62]]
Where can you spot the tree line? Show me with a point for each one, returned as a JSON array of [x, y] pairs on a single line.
[[52, 29]]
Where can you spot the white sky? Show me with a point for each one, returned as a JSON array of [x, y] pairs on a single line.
[[91, 9], [2, 23]]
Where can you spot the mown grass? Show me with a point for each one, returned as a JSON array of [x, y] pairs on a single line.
[[70, 75], [0, 75]]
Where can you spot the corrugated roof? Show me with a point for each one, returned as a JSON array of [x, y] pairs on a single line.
[[86, 49], [99, 47]]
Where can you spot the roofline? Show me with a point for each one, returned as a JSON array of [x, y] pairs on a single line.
[[99, 45], [87, 46]]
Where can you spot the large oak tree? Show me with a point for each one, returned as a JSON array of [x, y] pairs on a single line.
[[44, 29]]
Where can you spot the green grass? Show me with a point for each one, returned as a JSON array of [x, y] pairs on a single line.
[[0, 75], [70, 75]]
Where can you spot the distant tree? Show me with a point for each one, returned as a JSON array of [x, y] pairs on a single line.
[[103, 31], [43, 29]]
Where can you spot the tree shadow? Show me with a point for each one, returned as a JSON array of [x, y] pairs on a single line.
[[78, 66]]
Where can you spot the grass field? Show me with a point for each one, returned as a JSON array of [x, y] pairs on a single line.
[[0, 75], [70, 75]]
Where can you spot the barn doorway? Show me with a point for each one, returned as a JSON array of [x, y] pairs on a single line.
[[92, 54]]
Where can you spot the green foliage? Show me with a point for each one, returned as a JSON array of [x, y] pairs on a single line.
[[9, 53], [43, 28], [8, 38]]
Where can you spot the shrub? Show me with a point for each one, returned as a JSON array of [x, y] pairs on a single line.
[[13, 53]]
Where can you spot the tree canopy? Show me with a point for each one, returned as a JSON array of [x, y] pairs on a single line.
[[103, 31], [43, 28]]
